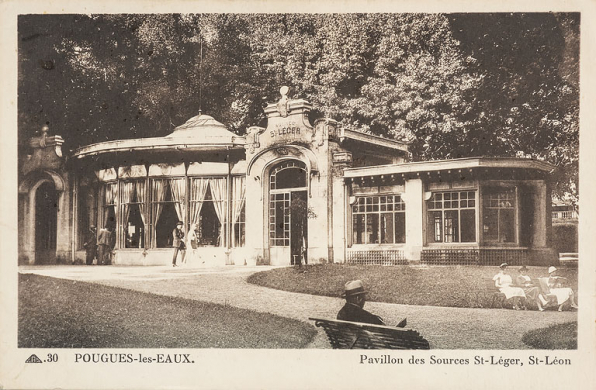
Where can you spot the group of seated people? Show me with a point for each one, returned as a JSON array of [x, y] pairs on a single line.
[[524, 289], [553, 293]]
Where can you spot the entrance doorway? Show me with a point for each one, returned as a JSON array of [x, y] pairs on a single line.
[[298, 227], [288, 211], [46, 223]]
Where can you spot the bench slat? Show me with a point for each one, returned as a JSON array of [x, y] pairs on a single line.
[[345, 334]]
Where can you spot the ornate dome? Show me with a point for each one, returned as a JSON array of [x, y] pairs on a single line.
[[203, 128]]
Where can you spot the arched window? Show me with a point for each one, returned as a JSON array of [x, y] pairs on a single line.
[[288, 174]]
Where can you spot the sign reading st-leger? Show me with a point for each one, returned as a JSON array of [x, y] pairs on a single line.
[[290, 128]]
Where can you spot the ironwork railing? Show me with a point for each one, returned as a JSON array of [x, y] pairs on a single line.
[[377, 257]]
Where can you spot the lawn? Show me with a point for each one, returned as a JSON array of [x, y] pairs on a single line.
[[560, 336], [57, 313], [452, 286]]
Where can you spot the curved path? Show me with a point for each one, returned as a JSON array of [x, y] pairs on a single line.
[[444, 327]]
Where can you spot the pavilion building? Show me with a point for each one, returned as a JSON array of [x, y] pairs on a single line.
[[279, 194]]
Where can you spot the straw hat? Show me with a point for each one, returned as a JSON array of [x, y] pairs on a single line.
[[503, 266], [354, 287], [551, 270]]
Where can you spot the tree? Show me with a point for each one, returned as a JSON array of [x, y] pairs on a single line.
[[528, 102], [454, 85]]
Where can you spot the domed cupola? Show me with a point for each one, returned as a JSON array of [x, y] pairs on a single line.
[[203, 129]]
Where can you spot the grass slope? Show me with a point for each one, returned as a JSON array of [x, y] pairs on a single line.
[[451, 286], [560, 336], [56, 313]]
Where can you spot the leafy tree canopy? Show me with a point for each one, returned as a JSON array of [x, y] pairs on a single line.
[[454, 85]]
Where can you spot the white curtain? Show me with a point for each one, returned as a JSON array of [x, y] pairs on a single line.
[[219, 195], [178, 190], [198, 189], [110, 192], [142, 199], [159, 195], [127, 194], [238, 198]]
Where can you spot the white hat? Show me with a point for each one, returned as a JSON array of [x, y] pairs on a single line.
[[551, 270]]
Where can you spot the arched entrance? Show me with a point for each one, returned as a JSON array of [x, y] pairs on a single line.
[[46, 223], [288, 210]]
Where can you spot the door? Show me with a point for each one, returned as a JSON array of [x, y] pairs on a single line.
[[288, 207], [46, 223], [298, 227]]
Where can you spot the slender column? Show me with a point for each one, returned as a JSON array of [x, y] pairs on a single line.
[[414, 198]]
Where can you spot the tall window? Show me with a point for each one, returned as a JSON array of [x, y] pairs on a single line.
[[452, 217], [379, 220], [238, 210], [133, 206], [499, 215], [85, 212], [284, 178], [208, 209], [110, 190], [168, 207], [279, 219]]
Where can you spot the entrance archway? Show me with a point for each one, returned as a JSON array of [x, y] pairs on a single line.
[[288, 210], [46, 223]]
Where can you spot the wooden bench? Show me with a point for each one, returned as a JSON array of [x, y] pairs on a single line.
[[357, 335], [494, 294], [569, 259]]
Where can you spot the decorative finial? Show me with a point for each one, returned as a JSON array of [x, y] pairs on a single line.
[[282, 105]]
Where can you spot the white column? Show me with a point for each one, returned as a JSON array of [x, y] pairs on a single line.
[[414, 198], [339, 219], [255, 224]]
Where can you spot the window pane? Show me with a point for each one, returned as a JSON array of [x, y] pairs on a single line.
[[134, 229], [400, 228], [358, 228], [372, 228], [451, 226], [506, 226], [279, 219], [490, 228], [165, 225], [468, 226], [387, 228], [435, 226]]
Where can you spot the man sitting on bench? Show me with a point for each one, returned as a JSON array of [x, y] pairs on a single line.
[[353, 311]]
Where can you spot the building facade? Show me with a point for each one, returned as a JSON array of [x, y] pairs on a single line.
[[291, 192]]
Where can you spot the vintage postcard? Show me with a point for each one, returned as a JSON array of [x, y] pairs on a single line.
[[214, 195]]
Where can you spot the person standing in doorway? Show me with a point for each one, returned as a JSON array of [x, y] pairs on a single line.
[[178, 242], [90, 245]]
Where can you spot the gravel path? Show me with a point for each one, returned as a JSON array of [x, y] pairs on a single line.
[[443, 327]]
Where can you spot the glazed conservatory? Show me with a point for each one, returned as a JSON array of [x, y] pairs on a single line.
[[293, 191]]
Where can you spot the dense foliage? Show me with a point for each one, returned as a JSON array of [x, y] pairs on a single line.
[[455, 85]]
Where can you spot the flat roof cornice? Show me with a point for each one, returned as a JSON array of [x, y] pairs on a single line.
[[372, 139], [156, 143], [441, 165]]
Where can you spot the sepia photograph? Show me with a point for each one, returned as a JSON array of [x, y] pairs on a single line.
[[194, 182]]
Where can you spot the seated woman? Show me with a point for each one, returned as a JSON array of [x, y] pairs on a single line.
[[531, 291], [504, 283], [563, 294]]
